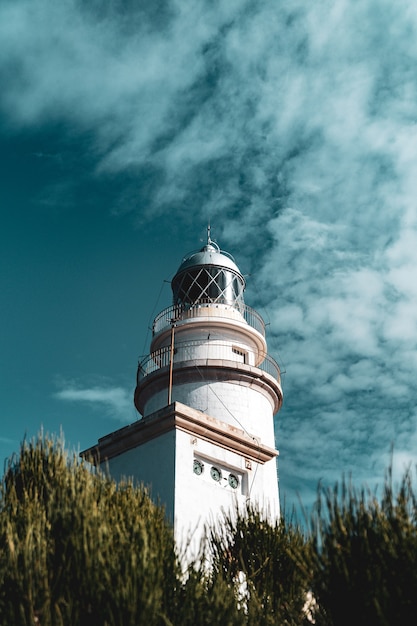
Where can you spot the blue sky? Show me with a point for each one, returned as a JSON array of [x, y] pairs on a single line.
[[292, 126]]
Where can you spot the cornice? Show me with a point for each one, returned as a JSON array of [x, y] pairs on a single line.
[[178, 416]]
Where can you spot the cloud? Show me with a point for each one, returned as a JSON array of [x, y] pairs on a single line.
[[6, 440], [231, 107], [346, 324], [116, 401], [293, 126]]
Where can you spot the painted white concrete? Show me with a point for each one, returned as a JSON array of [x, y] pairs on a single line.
[[234, 404], [153, 465]]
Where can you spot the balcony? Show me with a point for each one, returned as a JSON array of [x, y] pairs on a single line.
[[177, 313], [204, 351]]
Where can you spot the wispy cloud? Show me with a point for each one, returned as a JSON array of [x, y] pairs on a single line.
[[7, 440], [116, 401]]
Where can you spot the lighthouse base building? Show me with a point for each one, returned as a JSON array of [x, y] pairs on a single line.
[[208, 392]]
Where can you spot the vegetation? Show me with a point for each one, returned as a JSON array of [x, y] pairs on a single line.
[[364, 556], [266, 562], [77, 549]]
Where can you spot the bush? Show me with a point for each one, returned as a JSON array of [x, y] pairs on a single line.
[[265, 564], [77, 549], [364, 556]]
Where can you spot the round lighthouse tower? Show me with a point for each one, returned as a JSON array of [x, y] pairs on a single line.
[[209, 353], [207, 393], [208, 349]]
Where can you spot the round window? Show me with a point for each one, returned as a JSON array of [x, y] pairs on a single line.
[[198, 467], [216, 474], [233, 481]]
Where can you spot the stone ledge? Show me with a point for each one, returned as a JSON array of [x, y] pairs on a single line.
[[178, 416]]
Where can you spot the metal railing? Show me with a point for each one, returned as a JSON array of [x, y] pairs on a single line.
[[204, 351], [178, 312]]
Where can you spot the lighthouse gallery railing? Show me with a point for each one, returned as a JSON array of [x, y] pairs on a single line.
[[180, 312], [194, 350]]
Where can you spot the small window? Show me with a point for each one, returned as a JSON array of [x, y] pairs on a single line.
[[216, 474], [241, 355], [198, 467], [233, 481]]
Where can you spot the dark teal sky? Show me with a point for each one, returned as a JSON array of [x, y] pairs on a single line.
[[292, 127]]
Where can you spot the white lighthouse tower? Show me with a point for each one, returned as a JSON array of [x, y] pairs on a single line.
[[208, 392]]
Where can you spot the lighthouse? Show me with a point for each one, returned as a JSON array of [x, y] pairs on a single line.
[[207, 393]]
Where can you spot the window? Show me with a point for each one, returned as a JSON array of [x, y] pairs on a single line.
[[241, 355], [216, 474], [198, 467]]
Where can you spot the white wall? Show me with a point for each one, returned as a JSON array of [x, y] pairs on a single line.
[[153, 464]]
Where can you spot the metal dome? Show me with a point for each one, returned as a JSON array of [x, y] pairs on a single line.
[[210, 254]]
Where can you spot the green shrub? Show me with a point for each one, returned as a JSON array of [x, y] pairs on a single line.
[[205, 599], [364, 556], [77, 549], [265, 565]]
